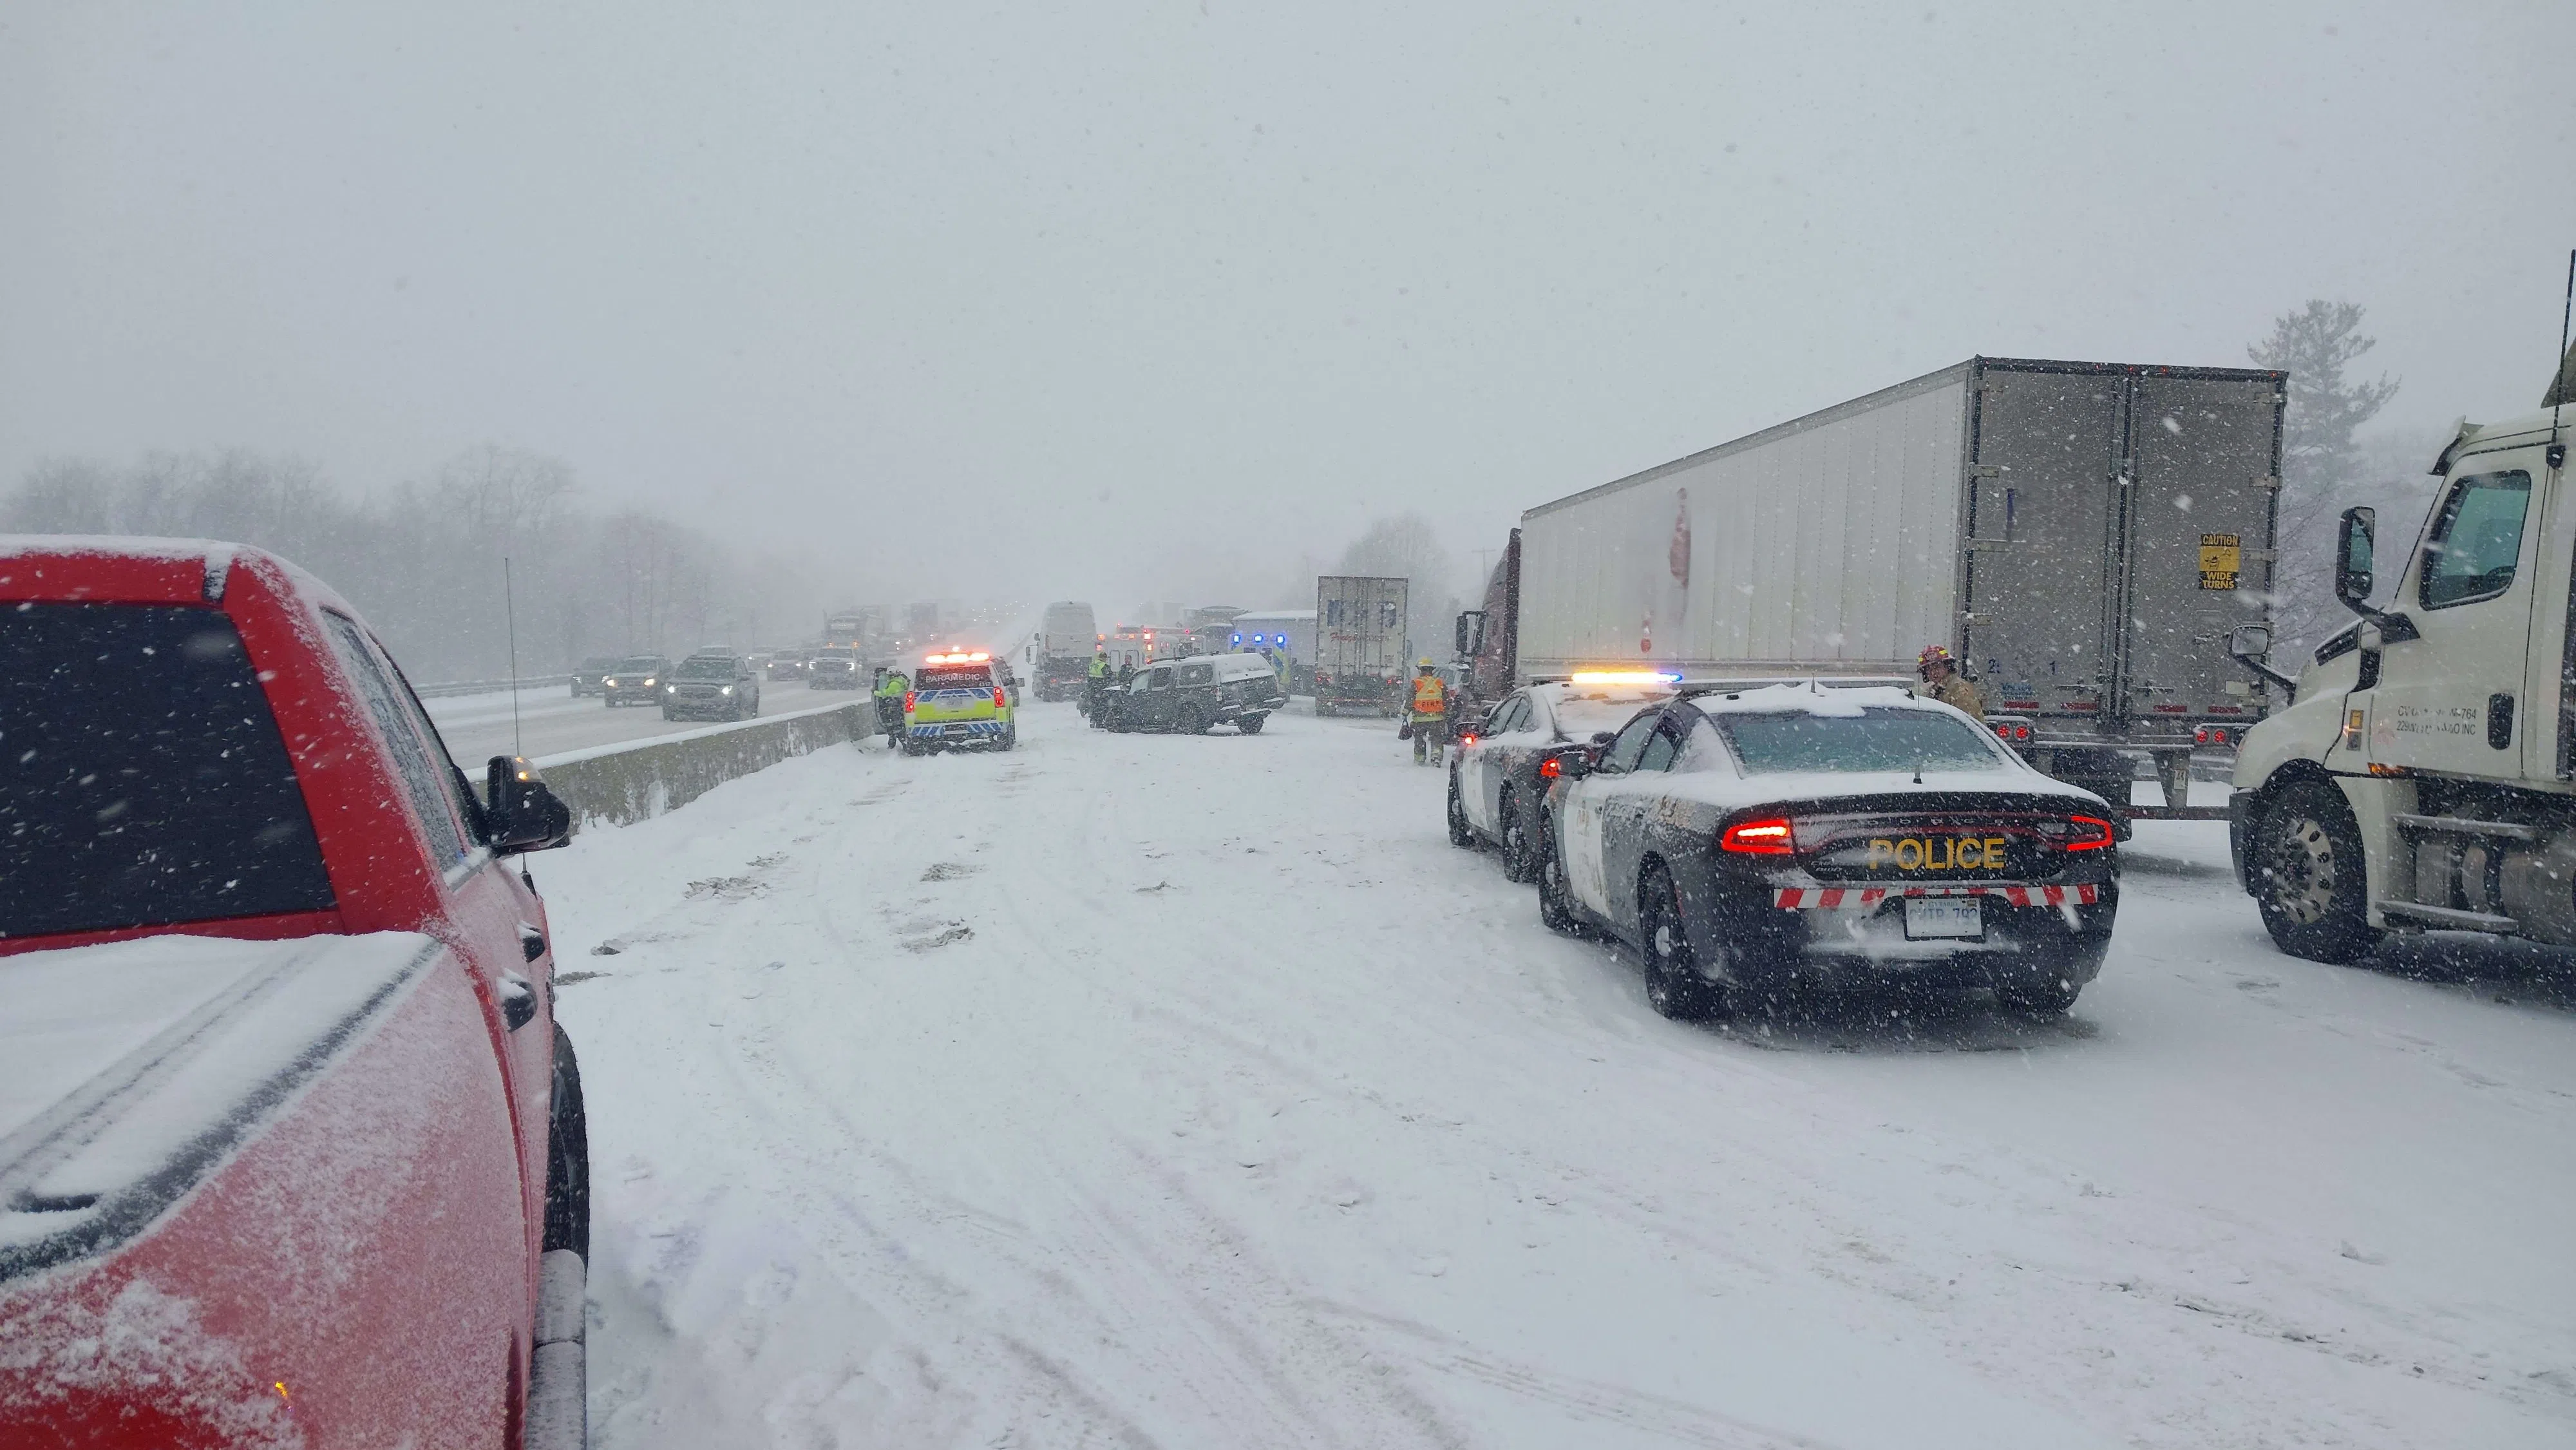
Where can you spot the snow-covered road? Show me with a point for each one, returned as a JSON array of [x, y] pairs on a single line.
[[1194, 1092]]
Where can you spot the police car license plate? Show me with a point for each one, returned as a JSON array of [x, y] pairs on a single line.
[[1943, 916]]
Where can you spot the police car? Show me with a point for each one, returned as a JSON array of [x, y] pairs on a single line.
[[1499, 773], [1752, 840], [958, 699]]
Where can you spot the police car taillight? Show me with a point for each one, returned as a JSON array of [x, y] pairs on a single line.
[[1551, 768], [910, 698], [1759, 838], [2087, 833]]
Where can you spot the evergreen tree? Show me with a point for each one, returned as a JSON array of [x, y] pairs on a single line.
[[2321, 467]]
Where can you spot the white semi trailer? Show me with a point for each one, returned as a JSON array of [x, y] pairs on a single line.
[[2083, 535], [1360, 643]]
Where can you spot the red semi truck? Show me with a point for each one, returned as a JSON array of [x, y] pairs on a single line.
[[291, 1151]]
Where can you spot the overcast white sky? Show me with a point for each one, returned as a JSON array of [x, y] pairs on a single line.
[[1033, 300]]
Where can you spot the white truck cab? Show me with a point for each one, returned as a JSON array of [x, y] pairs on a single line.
[[2424, 775]]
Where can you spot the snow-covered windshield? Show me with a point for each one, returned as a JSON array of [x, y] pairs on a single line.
[[638, 665], [705, 667], [1869, 740], [142, 777]]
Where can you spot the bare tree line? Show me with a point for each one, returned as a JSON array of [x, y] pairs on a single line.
[[423, 560]]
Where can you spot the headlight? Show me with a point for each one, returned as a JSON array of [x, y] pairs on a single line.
[[670, 689], [727, 690], [610, 683], [648, 684]]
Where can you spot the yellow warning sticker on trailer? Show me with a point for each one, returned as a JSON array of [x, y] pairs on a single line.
[[2222, 558]]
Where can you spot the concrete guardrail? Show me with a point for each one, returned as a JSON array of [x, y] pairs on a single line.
[[636, 780]]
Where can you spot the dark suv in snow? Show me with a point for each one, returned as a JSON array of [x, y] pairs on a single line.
[[637, 680], [711, 685], [1190, 695]]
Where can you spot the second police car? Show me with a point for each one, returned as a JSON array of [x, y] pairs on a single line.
[[958, 698], [1752, 840], [1496, 784]]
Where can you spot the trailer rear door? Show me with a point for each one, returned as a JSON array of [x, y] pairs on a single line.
[[2041, 515], [2199, 557]]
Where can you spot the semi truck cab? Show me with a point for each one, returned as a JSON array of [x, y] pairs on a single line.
[[2424, 777]]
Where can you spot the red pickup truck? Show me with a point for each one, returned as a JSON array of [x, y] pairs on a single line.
[[291, 1151]]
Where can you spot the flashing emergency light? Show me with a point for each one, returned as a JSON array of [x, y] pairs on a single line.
[[1624, 677], [958, 657], [1238, 636]]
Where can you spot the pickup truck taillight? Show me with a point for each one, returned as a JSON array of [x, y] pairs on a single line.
[[1001, 697]]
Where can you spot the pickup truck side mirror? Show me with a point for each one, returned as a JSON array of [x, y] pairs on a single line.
[[519, 812], [2353, 538]]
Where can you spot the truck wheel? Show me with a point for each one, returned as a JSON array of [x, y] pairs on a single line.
[[1520, 859], [2309, 882], [1193, 723], [1011, 735], [567, 1156], [1461, 835], [1674, 986], [1251, 724]]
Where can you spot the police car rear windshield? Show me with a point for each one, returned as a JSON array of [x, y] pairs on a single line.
[[1870, 741], [953, 677]]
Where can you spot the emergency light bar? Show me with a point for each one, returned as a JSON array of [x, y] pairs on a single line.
[[1623, 677], [959, 658]]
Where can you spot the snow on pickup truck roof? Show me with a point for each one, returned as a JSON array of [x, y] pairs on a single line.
[[120, 545], [129, 1069]]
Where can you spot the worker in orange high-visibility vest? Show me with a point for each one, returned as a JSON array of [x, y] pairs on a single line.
[[1430, 717]]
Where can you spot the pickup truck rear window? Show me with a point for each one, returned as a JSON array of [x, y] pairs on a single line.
[[977, 678], [142, 778]]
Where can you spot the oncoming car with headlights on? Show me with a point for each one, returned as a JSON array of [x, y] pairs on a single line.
[[1500, 772], [1757, 841], [635, 680], [958, 698]]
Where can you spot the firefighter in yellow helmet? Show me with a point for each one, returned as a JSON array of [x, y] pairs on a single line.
[[1429, 720], [1940, 671]]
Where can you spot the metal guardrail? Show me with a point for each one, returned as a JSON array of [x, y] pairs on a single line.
[[485, 687]]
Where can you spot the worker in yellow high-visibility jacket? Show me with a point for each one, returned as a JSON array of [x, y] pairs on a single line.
[[1430, 716]]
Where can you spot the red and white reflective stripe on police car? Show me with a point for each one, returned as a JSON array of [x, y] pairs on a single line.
[[1861, 898]]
